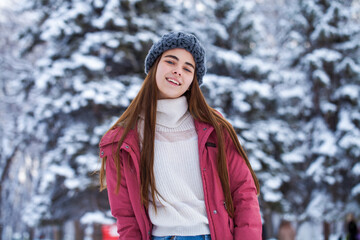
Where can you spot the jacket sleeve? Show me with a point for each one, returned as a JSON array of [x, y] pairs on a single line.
[[247, 220], [120, 204]]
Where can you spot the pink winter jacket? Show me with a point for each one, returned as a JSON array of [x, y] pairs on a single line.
[[133, 222]]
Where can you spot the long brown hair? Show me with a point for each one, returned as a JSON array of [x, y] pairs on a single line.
[[199, 109]]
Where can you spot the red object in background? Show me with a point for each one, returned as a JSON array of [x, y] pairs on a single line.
[[109, 232]]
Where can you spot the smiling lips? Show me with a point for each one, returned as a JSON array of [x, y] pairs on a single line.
[[173, 80]]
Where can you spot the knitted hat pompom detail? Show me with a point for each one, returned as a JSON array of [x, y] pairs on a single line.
[[178, 40]]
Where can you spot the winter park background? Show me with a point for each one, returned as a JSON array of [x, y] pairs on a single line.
[[286, 73]]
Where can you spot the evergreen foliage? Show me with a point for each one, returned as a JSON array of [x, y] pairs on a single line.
[[288, 82]]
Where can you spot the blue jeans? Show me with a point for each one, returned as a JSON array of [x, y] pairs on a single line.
[[199, 237]]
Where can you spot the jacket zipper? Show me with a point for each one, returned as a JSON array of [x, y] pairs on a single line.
[[211, 222], [132, 156]]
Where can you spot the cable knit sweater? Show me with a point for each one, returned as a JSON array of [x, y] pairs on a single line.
[[180, 206]]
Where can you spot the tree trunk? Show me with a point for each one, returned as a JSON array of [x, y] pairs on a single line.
[[31, 234], [97, 232], [326, 227], [268, 224], [79, 233], [58, 232]]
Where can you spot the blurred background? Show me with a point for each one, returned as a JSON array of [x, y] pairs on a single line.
[[285, 73]]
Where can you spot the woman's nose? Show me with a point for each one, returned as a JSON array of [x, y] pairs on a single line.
[[177, 71]]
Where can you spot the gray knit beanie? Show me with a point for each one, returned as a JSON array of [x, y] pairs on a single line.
[[178, 40]]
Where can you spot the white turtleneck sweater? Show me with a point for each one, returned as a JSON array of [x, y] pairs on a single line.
[[182, 210]]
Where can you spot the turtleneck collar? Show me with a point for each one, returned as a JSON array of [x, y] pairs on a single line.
[[170, 113]]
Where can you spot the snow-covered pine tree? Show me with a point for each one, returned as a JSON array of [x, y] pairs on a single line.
[[16, 168], [322, 52], [90, 68], [240, 85], [286, 191], [92, 65]]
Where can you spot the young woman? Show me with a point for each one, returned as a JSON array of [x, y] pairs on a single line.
[[173, 165]]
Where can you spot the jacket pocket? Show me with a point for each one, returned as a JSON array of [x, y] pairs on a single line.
[[210, 144], [231, 225], [230, 220]]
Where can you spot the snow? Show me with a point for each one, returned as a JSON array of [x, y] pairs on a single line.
[[325, 140], [273, 183], [293, 157], [255, 164], [356, 169], [316, 167], [345, 123], [310, 230], [47, 180], [98, 4], [5, 5], [95, 217], [350, 91], [272, 196], [328, 147], [65, 171], [321, 76], [95, 39], [60, 105], [91, 62], [327, 107], [88, 162], [256, 65], [330, 180], [294, 92], [58, 23], [73, 183], [262, 157], [52, 29], [323, 30], [113, 43], [109, 15], [351, 141], [356, 190], [233, 15], [35, 209], [253, 87], [317, 206], [237, 122], [348, 65], [322, 54], [132, 91], [229, 57], [89, 94], [22, 175], [270, 190]]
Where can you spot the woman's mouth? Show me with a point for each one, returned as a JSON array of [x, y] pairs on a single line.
[[173, 81]]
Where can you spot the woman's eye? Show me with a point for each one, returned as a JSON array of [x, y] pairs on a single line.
[[188, 70], [170, 62]]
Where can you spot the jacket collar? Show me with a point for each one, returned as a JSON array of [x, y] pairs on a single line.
[[203, 129], [114, 136]]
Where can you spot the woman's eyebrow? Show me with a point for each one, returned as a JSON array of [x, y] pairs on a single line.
[[176, 58]]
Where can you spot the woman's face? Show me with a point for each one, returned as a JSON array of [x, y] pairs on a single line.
[[175, 73]]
